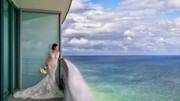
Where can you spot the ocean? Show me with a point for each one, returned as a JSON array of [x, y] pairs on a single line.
[[131, 78]]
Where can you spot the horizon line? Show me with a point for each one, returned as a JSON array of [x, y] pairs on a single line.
[[127, 55]]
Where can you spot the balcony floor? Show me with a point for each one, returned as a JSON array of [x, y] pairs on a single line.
[[18, 99]]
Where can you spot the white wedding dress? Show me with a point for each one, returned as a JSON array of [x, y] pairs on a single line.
[[47, 87]]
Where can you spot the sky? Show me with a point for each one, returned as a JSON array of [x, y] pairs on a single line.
[[122, 27]]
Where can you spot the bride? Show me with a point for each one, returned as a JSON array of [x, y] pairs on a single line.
[[47, 87]]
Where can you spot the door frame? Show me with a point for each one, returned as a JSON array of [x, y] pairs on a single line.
[[14, 44], [59, 32]]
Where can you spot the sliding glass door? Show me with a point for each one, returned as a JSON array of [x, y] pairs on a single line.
[[39, 30], [9, 49], [6, 49]]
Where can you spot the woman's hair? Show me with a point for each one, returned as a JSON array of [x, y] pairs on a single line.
[[54, 46]]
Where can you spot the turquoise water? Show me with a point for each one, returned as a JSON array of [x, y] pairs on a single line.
[[131, 78]]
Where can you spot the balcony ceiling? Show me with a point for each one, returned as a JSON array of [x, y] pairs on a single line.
[[62, 6]]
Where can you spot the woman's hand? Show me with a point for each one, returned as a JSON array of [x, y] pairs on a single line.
[[46, 66], [61, 57]]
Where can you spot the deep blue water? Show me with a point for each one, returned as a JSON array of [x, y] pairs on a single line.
[[131, 78]]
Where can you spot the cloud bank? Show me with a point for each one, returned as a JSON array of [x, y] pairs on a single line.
[[134, 27]]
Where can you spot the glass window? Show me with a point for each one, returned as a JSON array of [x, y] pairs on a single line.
[[39, 31], [6, 70]]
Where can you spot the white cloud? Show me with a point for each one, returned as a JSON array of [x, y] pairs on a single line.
[[80, 41], [77, 5], [161, 39], [177, 21], [129, 38], [143, 7], [129, 33], [176, 3], [134, 27]]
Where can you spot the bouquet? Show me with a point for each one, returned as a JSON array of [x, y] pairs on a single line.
[[43, 70]]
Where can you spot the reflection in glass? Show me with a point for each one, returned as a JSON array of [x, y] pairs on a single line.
[[39, 31]]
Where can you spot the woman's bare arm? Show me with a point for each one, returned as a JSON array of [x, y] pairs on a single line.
[[47, 60]]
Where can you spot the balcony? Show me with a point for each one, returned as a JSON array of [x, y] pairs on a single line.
[[25, 27]]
